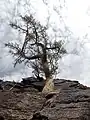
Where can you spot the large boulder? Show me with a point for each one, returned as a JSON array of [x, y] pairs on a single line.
[[30, 80], [37, 83], [71, 102]]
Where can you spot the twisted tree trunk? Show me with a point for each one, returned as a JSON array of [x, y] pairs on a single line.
[[49, 84]]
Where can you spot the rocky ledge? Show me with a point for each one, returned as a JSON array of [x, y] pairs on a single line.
[[24, 101]]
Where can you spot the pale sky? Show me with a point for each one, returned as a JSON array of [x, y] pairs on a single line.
[[76, 16]]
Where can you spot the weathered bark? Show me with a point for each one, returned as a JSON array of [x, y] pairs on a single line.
[[49, 85]]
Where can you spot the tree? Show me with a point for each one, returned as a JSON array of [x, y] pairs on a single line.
[[37, 50]]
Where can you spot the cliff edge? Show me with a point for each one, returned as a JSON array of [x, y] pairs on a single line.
[[72, 102]]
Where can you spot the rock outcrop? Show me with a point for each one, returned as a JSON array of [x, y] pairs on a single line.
[[72, 102]]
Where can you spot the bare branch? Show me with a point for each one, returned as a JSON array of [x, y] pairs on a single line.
[[37, 49], [13, 25]]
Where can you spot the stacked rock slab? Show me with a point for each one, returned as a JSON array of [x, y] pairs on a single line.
[[71, 103]]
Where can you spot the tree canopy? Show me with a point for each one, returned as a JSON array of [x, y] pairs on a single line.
[[37, 50]]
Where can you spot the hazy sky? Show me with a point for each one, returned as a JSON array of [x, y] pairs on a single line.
[[76, 16]]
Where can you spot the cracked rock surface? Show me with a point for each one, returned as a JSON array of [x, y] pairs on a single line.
[[71, 103]]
